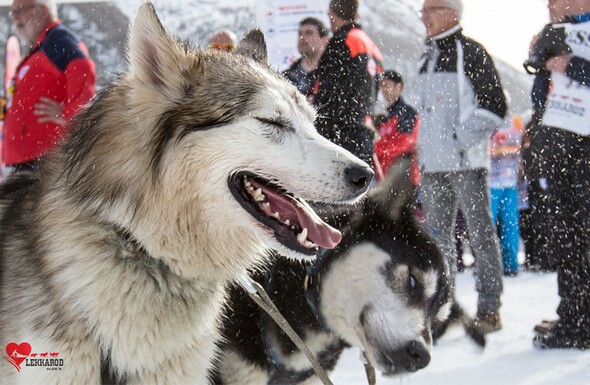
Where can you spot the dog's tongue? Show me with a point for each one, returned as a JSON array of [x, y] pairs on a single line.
[[298, 211], [319, 232]]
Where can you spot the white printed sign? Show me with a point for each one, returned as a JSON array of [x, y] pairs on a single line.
[[568, 105], [568, 101], [279, 21]]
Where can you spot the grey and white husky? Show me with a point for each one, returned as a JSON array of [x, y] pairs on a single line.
[[117, 252]]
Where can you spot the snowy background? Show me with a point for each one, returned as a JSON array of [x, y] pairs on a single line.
[[393, 24]]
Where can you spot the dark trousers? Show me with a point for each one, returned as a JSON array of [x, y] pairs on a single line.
[[535, 226], [540, 254], [566, 167]]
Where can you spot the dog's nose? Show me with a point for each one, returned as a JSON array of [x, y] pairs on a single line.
[[410, 358], [415, 356], [359, 177]]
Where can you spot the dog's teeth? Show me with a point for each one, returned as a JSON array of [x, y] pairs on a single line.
[[258, 195], [266, 206], [247, 183], [277, 215], [302, 236], [287, 223]]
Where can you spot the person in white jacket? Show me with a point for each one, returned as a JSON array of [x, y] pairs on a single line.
[[461, 103]]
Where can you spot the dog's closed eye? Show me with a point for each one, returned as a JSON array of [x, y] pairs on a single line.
[[277, 122]]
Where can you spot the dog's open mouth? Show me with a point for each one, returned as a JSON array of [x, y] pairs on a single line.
[[293, 222]]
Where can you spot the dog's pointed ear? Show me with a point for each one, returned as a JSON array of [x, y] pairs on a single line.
[[152, 53], [395, 195], [254, 45]]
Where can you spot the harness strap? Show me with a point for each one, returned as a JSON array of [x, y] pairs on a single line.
[[258, 295], [369, 371], [311, 285], [280, 373]]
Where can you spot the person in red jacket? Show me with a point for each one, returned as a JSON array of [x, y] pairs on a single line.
[[398, 129], [51, 83]]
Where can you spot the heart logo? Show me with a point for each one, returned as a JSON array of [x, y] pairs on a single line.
[[17, 353]]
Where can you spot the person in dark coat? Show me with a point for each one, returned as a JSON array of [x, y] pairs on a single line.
[[311, 43], [539, 252], [347, 82], [566, 169]]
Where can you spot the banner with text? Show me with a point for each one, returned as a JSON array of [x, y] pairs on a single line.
[[279, 21]]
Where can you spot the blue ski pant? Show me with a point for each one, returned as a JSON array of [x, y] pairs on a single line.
[[504, 203]]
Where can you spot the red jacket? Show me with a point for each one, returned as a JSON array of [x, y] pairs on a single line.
[[59, 67], [398, 132]]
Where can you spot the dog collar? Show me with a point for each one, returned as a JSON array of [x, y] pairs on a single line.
[[311, 287], [280, 373]]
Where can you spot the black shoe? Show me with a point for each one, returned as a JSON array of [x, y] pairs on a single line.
[[532, 267], [538, 267], [557, 339], [546, 326]]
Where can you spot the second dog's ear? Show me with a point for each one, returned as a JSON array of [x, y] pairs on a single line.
[[254, 45], [395, 194]]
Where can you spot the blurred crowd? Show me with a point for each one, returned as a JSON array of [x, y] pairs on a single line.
[[510, 190]]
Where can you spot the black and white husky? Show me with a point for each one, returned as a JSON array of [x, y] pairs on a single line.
[[382, 289], [116, 254]]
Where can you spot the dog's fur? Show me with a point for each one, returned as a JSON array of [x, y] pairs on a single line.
[[119, 249], [381, 289]]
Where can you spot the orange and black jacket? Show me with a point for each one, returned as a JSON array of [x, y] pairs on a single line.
[[346, 89]]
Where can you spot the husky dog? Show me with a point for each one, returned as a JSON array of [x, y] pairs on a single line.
[[177, 177], [381, 289]]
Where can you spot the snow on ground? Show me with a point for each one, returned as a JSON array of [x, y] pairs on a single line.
[[509, 357]]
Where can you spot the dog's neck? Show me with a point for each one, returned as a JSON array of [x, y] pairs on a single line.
[[131, 248], [129, 243]]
